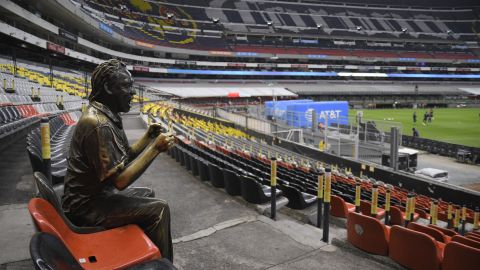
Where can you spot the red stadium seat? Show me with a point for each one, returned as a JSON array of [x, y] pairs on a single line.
[[365, 208], [436, 234], [339, 208], [459, 256], [111, 249], [466, 241], [397, 216], [367, 233], [446, 232], [415, 250], [474, 237]]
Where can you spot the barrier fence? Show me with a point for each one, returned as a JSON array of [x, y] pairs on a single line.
[[460, 152], [345, 136]]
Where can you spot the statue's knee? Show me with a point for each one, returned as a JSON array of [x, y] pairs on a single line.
[[162, 209]]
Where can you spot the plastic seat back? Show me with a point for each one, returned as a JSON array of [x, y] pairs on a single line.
[[396, 216], [367, 233], [47, 219], [338, 207], [232, 182], [295, 197], [251, 190], [186, 157], [35, 159], [460, 256], [436, 234], [365, 208], [48, 252], [414, 250], [203, 169], [216, 176], [194, 164], [46, 192], [445, 231], [466, 241]]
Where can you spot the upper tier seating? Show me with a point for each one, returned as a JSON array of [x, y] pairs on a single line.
[[191, 25]]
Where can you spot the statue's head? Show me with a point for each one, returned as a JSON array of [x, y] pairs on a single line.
[[112, 85]]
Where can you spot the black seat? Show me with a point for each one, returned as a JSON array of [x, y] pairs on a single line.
[[181, 156], [45, 191], [186, 158], [177, 154], [297, 199], [58, 174], [216, 176], [232, 182], [193, 163], [203, 169], [49, 253], [254, 192]]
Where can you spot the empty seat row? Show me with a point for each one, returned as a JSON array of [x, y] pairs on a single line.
[[222, 174], [61, 131], [415, 247]]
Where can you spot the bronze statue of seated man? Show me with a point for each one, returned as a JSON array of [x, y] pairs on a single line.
[[101, 160]]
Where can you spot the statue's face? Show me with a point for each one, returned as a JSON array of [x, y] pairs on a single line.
[[122, 90]]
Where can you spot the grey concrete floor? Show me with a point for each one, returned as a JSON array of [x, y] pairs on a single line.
[[211, 229], [460, 174]]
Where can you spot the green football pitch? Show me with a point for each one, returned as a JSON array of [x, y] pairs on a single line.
[[453, 125]]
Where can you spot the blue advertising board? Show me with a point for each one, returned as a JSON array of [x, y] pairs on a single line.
[[278, 108], [300, 115]]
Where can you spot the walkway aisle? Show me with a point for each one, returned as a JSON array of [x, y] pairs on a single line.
[[16, 189]]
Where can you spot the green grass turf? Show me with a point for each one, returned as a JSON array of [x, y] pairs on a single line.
[[453, 125]]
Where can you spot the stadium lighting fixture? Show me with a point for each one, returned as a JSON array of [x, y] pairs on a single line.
[[404, 30], [269, 23], [449, 32], [215, 20], [359, 28], [319, 26], [170, 15]]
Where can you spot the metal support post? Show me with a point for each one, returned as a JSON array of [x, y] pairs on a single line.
[[326, 205], [358, 193], [387, 204], [374, 200], [46, 153], [273, 185], [320, 178]]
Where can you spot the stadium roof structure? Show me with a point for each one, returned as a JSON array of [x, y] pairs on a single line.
[[204, 91], [376, 89], [473, 91]]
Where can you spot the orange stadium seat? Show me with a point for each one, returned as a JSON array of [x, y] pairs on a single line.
[[459, 256], [445, 231], [111, 249], [466, 241], [436, 234], [367, 233], [365, 208], [339, 207], [415, 250]]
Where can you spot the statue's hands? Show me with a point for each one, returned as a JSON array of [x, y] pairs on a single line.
[[154, 130], [164, 141]]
